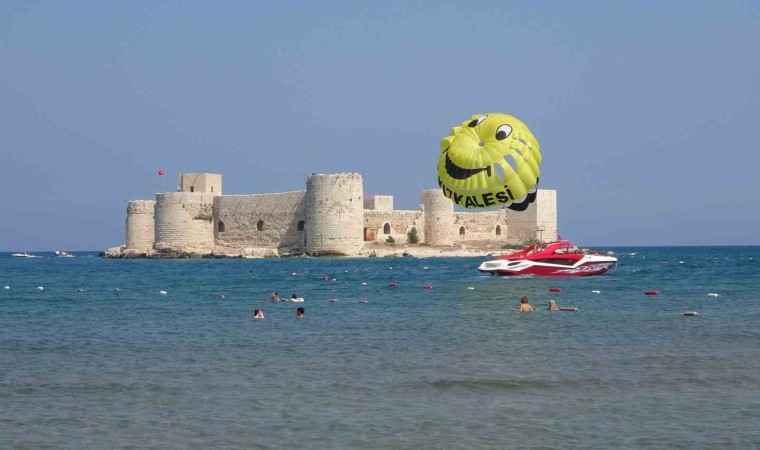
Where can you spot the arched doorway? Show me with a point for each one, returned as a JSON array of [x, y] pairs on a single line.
[[220, 227], [387, 228], [260, 225], [498, 230], [461, 231]]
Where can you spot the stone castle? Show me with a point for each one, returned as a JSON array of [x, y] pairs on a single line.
[[331, 217]]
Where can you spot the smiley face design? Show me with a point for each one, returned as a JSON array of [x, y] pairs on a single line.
[[490, 160]]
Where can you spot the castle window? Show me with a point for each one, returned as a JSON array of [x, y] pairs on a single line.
[[387, 228], [260, 225], [192, 188], [301, 223], [461, 231], [220, 227], [498, 230]]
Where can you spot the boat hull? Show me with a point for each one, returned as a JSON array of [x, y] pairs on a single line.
[[583, 268]]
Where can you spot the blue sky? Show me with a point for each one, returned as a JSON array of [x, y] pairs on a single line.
[[648, 113]]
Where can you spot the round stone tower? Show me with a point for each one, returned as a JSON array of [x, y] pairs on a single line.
[[439, 217], [140, 231], [184, 221], [334, 213]]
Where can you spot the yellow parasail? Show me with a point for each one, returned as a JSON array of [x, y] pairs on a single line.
[[490, 160]]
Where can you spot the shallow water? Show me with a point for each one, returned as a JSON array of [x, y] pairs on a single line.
[[449, 367]]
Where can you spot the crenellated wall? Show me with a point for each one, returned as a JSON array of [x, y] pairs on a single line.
[[184, 220], [334, 213], [439, 217], [261, 220], [140, 225]]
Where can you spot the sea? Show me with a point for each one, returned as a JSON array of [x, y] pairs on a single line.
[[110, 353]]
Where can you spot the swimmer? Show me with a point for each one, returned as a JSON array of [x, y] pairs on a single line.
[[300, 312], [275, 296], [296, 299], [552, 306], [258, 314], [524, 305]]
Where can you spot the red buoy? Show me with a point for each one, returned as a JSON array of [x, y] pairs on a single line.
[[555, 289], [651, 293], [393, 284], [427, 286]]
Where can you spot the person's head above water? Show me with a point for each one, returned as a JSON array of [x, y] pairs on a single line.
[[524, 299], [300, 311]]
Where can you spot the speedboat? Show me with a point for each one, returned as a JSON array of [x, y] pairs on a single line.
[[62, 254], [23, 255], [554, 259]]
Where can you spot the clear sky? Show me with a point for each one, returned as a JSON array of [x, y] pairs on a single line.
[[648, 113]]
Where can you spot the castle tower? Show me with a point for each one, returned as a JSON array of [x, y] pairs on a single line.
[[538, 221], [184, 220], [334, 213], [140, 225], [439, 217]]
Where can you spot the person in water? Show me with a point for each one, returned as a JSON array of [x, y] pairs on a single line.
[[258, 314], [552, 306], [296, 299], [524, 305], [275, 296], [300, 312]]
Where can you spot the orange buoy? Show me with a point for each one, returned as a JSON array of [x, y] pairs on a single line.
[[393, 284], [651, 293], [555, 289], [427, 286]]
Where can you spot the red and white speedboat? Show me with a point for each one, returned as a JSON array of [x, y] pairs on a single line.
[[555, 259]]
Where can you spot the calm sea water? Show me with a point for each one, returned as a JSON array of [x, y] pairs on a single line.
[[383, 367]]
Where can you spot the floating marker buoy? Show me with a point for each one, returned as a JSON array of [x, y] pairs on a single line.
[[425, 268], [651, 293], [333, 300], [393, 285], [221, 297], [162, 292], [6, 287], [40, 288], [470, 288], [555, 289], [364, 284], [596, 292], [713, 294], [690, 313], [427, 286], [81, 290]]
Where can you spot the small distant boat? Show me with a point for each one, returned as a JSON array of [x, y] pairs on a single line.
[[23, 255], [62, 254]]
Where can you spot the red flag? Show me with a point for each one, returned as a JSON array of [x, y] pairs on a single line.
[[161, 172]]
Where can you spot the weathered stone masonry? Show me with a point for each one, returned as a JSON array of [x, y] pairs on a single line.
[[332, 216]]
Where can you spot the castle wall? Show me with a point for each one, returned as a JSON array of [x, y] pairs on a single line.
[[399, 224], [334, 213], [237, 219], [438, 217], [184, 220], [140, 225], [481, 226], [378, 202]]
